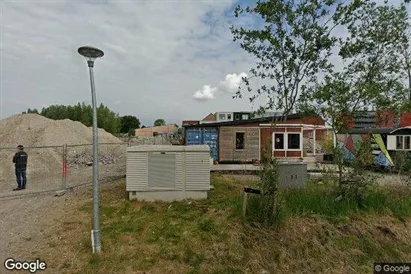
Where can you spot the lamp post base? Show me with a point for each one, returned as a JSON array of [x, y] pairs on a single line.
[[95, 245]]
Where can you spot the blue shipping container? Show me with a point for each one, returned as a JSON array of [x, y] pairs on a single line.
[[203, 136], [210, 138], [193, 136]]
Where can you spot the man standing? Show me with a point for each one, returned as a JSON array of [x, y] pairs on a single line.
[[20, 162]]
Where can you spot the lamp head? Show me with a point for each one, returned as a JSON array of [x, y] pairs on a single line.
[[90, 53]]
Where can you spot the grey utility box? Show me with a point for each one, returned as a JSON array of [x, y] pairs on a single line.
[[168, 173], [292, 175]]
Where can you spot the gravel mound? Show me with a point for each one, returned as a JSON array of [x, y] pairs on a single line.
[[33, 130], [36, 130]]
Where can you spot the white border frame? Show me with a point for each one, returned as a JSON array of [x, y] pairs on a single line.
[[286, 141], [403, 143], [244, 140]]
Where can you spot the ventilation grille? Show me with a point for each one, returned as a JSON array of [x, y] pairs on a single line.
[[161, 170]]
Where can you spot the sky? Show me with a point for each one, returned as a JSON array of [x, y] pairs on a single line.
[[169, 59], [160, 57]]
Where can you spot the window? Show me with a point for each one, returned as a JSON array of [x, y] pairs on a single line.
[[237, 117], [239, 140], [293, 141], [407, 140], [279, 141], [228, 116], [221, 116], [245, 116], [399, 143]]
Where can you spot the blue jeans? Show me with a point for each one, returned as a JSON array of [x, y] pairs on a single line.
[[21, 178]]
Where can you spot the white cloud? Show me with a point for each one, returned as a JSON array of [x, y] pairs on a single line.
[[156, 54], [204, 94], [230, 84]]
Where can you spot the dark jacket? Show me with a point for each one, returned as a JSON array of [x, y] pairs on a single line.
[[20, 160]]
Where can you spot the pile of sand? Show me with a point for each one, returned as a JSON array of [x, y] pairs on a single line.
[[33, 130], [36, 130]]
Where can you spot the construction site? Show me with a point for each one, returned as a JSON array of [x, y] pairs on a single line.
[[59, 153], [37, 223]]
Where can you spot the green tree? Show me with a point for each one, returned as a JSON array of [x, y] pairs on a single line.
[[31, 111], [107, 119], [159, 122], [128, 124], [372, 75], [86, 114], [406, 64], [291, 48]]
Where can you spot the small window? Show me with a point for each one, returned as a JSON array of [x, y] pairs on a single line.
[[239, 140], [228, 116], [407, 140], [245, 116], [293, 141], [400, 144], [237, 117], [279, 141], [221, 116]]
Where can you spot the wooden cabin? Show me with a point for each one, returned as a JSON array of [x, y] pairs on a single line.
[[246, 140]]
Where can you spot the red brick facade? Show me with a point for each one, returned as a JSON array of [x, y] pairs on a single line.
[[190, 123], [386, 119], [405, 120]]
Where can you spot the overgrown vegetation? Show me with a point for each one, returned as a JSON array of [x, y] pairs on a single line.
[[357, 183], [270, 206], [318, 233], [322, 198], [294, 47], [372, 75]]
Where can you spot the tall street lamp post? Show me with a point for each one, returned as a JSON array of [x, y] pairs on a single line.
[[91, 54]]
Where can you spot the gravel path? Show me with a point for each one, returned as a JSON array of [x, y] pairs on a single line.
[[30, 224], [25, 224]]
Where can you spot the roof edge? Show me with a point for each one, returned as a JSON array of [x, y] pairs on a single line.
[[255, 120]]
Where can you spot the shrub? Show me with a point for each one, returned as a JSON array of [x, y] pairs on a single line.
[[268, 210]]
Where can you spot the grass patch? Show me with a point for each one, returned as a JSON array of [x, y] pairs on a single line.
[[210, 236], [322, 200]]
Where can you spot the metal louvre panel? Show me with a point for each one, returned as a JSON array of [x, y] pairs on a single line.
[[136, 171], [162, 170], [197, 169], [179, 170]]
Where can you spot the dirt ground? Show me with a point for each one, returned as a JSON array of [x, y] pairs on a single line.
[[28, 224]]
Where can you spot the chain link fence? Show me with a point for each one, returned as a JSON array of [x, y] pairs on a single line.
[[52, 168], [44, 169], [112, 162]]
